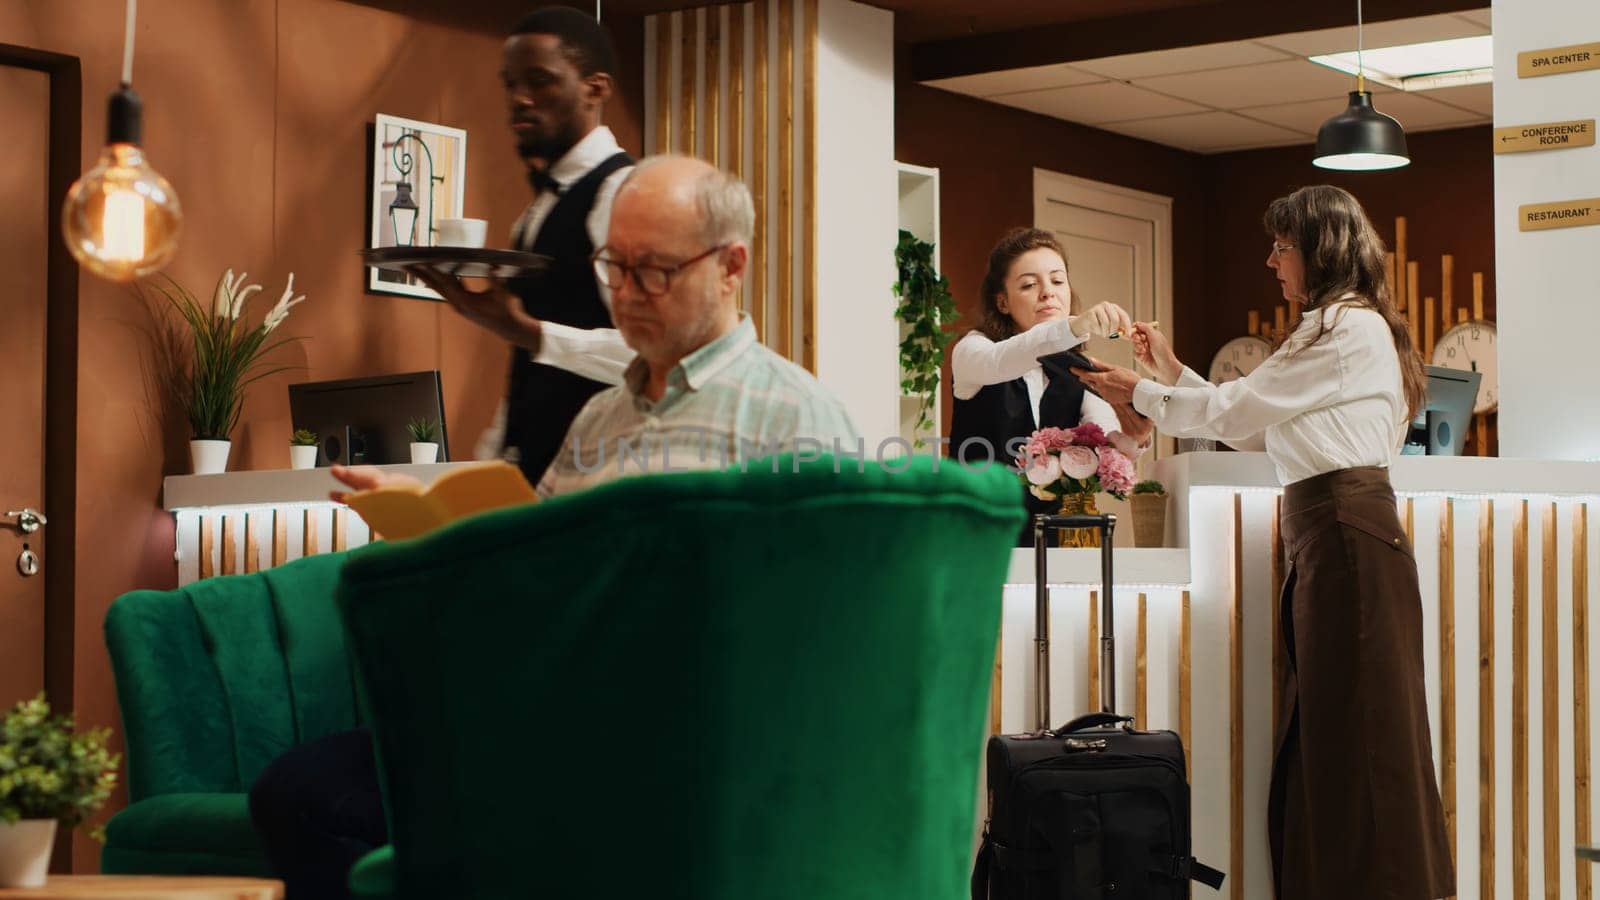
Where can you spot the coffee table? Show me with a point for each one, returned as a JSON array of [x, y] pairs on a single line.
[[149, 887]]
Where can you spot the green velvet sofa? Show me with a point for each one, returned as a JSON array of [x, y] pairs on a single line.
[[214, 680], [711, 685]]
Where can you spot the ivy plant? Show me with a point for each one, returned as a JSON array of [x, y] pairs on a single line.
[[925, 308]]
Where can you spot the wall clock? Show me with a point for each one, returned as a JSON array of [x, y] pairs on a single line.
[[1471, 347], [1238, 358]]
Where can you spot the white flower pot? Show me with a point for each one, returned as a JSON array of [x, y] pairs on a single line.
[[209, 457], [25, 852], [424, 453], [302, 457]]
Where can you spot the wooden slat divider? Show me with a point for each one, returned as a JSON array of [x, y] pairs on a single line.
[[995, 692], [1093, 700], [1519, 702], [1486, 779], [1447, 291], [808, 194], [689, 66], [713, 96], [1413, 273], [1582, 803], [1549, 694], [1427, 329], [1236, 704], [1276, 600], [252, 547], [1185, 683], [280, 537], [784, 333], [208, 540], [230, 553], [1141, 690], [309, 546], [1447, 670], [1401, 299], [736, 89], [340, 524], [758, 173], [663, 99]]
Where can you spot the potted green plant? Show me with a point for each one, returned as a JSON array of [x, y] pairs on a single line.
[[424, 440], [228, 357], [303, 449], [48, 775], [925, 308], [1149, 504]]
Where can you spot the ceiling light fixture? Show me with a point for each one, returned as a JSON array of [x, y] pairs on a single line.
[[1421, 67], [1361, 139], [121, 220]]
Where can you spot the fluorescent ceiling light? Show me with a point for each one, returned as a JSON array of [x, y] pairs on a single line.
[[1421, 67]]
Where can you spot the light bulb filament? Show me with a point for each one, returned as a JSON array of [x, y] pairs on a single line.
[[122, 229]]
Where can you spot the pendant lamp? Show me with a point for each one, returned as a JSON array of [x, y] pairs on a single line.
[[1361, 139], [121, 220]]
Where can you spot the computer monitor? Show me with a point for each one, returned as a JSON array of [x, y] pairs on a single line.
[[363, 420], [1441, 428]]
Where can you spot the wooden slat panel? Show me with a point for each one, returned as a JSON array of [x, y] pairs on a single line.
[[252, 550], [1400, 297], [784, 333], [1427, 328], [1482, 430], [1486, 811], [1277, 611], [208, 539], [1280, 320], [308, 541], [1581, 802], [230, 553], [280, 537], [340, 525], [1141, 691], [1388, 269], [1549, 693], [808, 195], [1236, 704], [713, 98], [663, 98], [1477, 296], [1408, 515], [1413, 273], [1185, 695], [1447, 291], [688, 67], [736, 89], [1254, 317], [758, 174], [994, 688], [1519, 702], [1093, 702], [1447, 669]]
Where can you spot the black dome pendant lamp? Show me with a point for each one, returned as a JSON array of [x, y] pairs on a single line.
[[1361, 139]]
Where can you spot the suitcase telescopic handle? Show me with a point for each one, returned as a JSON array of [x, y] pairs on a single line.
[[1043, 525]]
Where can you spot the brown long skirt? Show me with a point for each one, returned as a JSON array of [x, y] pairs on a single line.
[[1354, 807]]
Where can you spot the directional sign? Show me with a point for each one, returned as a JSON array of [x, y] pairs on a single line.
[[1566, 214], [1556, 60], [1546, 136]]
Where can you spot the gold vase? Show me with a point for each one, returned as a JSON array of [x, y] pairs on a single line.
[[1078, 505]]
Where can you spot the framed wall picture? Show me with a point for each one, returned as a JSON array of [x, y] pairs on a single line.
[[419, 172]]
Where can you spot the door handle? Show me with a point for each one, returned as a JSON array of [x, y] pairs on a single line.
[[28, 519]]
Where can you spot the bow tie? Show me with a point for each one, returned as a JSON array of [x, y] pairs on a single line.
[[542, 181]]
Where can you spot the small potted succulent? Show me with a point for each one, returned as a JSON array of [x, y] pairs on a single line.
[[48, 775], [1149, 504], [303, 449], [424, 440]]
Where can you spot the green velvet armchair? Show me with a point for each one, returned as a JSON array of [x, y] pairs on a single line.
[[214, 680], [717, 686]]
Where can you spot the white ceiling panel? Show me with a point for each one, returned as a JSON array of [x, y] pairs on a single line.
[[1378, 34], [1478, 98], [1258, 85], [1093, 104], [1304, 117], [1207, 132], [1415, 110], [1182, 59], [1479, 17], [1033, 78]]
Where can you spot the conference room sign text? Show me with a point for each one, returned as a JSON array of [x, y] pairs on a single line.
[[1544, 136]]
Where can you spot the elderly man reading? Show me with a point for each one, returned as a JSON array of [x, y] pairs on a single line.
[[701, 391]]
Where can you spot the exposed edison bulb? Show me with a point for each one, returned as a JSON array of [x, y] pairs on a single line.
[[122, 219]]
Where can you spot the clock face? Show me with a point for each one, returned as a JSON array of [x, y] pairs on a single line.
[[1238, 358], [1470, 347]]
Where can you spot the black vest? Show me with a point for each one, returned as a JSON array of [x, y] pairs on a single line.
[[1001, 415], [541, 400]]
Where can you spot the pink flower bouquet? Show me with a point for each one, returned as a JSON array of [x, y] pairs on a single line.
[[1081, 460]]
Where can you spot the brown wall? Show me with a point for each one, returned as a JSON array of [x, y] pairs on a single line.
[[257, 112], [986, 154], [1446, 196]]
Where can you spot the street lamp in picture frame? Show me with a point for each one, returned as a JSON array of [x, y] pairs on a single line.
[[419, 174]]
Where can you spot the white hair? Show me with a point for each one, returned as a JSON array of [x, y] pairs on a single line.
[[726, 212]]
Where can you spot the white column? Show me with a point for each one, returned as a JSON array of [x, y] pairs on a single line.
[[1547, 288]]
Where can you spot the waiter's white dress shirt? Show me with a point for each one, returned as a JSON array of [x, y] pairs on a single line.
[[1314, 408], [600, 353]]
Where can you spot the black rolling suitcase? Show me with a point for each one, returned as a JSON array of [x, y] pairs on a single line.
[[1093, 810]]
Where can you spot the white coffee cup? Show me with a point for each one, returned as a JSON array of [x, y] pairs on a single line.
[[462, 232]]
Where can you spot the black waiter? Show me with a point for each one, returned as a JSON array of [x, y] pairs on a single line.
[[317, 807], [557, 65]]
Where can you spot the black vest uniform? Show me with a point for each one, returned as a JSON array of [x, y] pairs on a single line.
[[1001, 415], [541, 400]]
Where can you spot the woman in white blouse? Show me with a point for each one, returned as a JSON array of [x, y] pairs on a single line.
[[1002, 392], [1354, 808]]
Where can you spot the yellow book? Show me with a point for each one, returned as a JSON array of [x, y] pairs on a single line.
[[406, 511]]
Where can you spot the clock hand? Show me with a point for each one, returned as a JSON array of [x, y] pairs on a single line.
[[1474, 365]]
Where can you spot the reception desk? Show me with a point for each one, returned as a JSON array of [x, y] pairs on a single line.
[[1503, 549]]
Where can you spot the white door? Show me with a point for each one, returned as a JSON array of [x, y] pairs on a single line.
[[1119, 248]]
